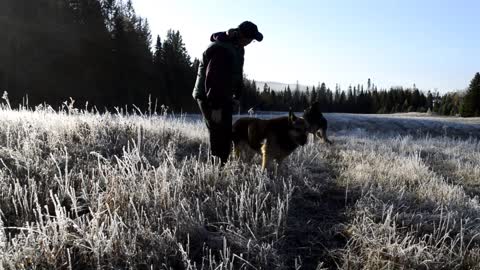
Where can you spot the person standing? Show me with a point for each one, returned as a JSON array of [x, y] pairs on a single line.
[[219, 83]]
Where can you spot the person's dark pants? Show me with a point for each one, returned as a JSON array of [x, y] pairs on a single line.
[[220, 133]]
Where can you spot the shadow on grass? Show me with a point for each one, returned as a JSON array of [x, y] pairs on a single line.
[[316, 223]]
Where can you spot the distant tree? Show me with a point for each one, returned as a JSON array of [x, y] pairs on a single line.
[[265, 88], [178, 71], [429, 104], [336, 99], [132, 57], [159, 91], [342, 102], [313, 95], [322, 96], [288, 96], [415, 100], [266, 99], [471, 102], [305, 98], [296, 98], [350, 103], [436, 102]]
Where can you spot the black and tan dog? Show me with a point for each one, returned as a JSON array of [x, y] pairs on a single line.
[[274, 138], [316, 123]]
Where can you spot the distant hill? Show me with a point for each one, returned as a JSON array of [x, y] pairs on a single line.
[[278, 86]]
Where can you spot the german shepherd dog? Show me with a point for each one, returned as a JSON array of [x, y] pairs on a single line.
[[316, 123], [274, 138]]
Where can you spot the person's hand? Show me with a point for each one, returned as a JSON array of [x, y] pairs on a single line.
[[216, 116]]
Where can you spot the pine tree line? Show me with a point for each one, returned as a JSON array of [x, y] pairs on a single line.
[[360, 99], [96, 51]]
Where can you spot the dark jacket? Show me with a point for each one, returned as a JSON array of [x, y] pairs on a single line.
[[220, 73]]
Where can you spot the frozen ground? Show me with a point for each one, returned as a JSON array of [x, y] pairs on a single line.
[[414, 124], [80, 190]]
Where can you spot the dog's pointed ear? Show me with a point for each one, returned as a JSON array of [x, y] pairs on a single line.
[[291, 115]]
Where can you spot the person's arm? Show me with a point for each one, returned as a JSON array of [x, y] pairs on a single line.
[[237, 92], [219, 78], [238, 89]]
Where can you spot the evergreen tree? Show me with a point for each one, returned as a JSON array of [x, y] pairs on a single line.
[[313, 95], [159, 87], [288, 96], [178, 72], [471, 102], [296, 99]]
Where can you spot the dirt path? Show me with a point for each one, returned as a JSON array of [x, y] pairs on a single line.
[[316, 221]]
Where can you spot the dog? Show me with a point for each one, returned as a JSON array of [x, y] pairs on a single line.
[[316, 123], [275, 139]]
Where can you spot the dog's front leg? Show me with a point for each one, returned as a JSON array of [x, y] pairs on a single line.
[[322, 135], [265, 156], [236, 151]]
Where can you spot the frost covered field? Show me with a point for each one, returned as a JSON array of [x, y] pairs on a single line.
[[79, 190]]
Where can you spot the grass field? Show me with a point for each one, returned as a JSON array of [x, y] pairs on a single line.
[[80, 190]]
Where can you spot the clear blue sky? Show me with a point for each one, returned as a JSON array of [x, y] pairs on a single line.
[[432, 43]]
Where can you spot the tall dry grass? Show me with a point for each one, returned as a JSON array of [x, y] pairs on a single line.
[[83, 190]]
